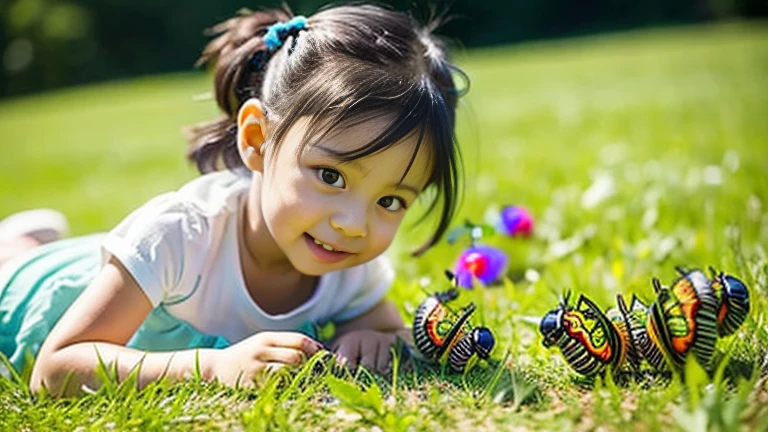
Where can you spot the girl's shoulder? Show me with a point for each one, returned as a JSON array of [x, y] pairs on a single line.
[[178, 233], [195, 213], [211, 196], [216, 192]]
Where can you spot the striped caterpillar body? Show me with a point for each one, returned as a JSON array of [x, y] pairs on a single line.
[[440, 335], [685, 318], [586, 337]]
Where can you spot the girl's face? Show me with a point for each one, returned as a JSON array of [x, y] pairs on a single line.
[[327, 215]]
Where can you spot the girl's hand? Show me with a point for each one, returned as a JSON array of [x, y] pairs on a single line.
[[369, 348], [241, 364]]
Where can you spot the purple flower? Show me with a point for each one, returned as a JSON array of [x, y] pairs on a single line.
[[485, 263], [515, 221]]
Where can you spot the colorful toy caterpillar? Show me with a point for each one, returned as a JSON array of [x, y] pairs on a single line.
[[441, 335], [685, 318]]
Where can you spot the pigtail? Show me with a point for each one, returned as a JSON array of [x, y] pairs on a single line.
[[439, 66], [441, 73], [239, 57]]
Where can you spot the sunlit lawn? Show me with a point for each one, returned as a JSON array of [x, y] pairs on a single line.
[[635, 153]]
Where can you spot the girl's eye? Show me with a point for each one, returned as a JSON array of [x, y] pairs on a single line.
[[391, 203], [331, 177]]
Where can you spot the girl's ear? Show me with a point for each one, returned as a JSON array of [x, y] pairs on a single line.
[[251, 134]]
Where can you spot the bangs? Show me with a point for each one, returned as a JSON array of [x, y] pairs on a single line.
[[410, 109]]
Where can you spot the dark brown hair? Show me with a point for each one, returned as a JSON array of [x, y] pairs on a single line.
[[350, 64]]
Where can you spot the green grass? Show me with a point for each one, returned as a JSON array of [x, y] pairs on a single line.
[[635, 152]]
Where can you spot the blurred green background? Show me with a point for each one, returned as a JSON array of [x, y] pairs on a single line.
[[543, 123], [635, 151], [52, 43]]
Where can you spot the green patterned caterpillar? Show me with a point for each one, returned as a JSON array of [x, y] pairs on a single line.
[[444, 336], [685, 318]]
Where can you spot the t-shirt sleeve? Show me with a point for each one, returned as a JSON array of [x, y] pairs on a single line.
[[160, 245], [377, 276]]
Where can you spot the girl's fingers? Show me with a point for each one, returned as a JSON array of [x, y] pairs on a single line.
[[273, 367], [383, 358], [349, 355], [369, 354], [285, 356], [292, 340]]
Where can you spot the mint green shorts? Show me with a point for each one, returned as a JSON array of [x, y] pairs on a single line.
[[37, 287]]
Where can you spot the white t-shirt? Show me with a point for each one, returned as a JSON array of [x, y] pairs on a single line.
[[182, 249]]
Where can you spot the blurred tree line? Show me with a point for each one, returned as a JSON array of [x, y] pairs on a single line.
[[53, 43]]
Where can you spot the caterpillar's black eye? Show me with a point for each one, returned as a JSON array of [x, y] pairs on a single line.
[[550, 327], [483, 340], [736, 288]]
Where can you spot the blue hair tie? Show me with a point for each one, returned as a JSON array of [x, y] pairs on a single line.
[[278, 32]]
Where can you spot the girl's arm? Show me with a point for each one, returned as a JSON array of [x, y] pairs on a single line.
[[99, 323], [105, 316]]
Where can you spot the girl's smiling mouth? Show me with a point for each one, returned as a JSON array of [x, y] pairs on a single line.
[[323, 251]]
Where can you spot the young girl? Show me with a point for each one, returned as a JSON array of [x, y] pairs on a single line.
[[332, 127]]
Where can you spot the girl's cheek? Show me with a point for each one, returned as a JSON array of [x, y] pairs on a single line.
[[297, 182], [386, 229]]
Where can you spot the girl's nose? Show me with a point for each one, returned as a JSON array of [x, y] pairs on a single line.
[[352, 222]]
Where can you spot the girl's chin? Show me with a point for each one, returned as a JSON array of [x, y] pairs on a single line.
[[318, 269]]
